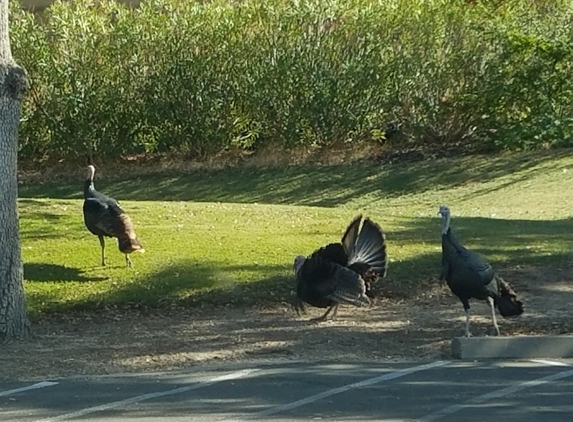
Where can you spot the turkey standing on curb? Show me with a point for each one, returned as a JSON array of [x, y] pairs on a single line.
[[470, 276], [342, 272], [104, 217]]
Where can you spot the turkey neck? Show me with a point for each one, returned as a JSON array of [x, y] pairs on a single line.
[[88, 187], [445, 223]]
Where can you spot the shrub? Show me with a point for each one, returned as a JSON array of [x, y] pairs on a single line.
[[195, 78]]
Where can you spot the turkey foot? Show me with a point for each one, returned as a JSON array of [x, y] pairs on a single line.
[[324, 317]]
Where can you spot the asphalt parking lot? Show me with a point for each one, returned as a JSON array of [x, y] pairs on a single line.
[[525, 390]]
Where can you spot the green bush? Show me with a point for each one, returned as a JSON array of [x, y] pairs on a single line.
[[193, 79]]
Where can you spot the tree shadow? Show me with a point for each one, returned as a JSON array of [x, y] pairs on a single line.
[[325, 186], [505, 243], [509, 245], [43, 271], [512, 241], [185, 283], [40, 219]]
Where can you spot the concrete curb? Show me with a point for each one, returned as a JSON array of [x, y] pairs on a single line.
[[521, 347]]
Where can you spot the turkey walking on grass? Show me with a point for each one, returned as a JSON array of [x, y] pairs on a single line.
[[104, 217], [469, 276], [342, 273]]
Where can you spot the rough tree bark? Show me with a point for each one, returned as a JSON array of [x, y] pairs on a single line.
[[14, 323]]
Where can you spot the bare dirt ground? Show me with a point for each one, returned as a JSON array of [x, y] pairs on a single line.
[[419, 328]]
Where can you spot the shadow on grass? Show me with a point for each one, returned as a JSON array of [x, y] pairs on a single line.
[[519, 250], [515, 241], [52, 272], [506, 244], [205, 284], [325, 186], [41, 220], [190, 283]]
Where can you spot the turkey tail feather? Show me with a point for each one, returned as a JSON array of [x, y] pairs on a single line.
[[350, 235], [127, 240], [507, 303], [370, 248]]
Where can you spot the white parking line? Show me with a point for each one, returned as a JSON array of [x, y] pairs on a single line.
[[339, 390], [29, 387], [551, 362], [498, 393], [137, 399]]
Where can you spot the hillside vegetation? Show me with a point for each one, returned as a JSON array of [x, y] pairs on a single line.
[[193, 79]]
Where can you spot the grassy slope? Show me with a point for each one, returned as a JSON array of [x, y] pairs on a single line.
[[230, 236]]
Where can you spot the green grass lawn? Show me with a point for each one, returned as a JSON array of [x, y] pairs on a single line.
[[229, 237]]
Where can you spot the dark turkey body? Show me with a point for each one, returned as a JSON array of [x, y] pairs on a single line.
[[343, 272], [96, 209], [323, 267], [469, 276]]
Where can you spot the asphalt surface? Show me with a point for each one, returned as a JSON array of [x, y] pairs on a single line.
[[527, 390]]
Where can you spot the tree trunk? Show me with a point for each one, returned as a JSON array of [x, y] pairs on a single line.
[[14, 323]]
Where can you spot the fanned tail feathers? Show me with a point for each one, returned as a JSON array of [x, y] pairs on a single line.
[[350, 235], [370, 248]]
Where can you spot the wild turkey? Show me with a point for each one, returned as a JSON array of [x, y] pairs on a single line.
[[469, 276], [104, 217], [342, 272]]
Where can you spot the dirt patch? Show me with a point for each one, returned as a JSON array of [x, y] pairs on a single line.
[[419, 328]]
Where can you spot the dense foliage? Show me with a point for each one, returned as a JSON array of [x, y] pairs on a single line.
[[194, 78]]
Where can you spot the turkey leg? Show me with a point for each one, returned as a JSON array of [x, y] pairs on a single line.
[[102, 244], [492, 306], [468, 334], [324, 317]]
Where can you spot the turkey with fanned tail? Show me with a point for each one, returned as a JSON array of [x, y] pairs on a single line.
[[104, 217], [469, 276], [342, 273]]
